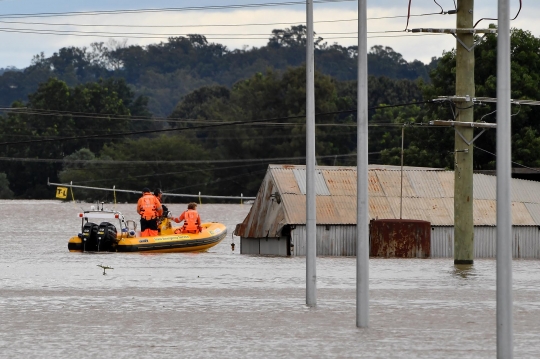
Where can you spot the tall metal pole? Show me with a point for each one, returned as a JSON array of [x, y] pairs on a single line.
[[362, 215], [504, 204], [401, 189], [463, 177], [311, 224]]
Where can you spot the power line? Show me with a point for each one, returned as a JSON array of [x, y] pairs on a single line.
[[300, 22], [139, 162], [172, 9], [516, 163], [166, 36], [110, 116], [99, 33]]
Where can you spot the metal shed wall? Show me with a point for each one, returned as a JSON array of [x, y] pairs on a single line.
[[525, 242], [341, 241], [334, 241]]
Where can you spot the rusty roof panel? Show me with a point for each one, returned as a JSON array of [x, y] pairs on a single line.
[[295, 210], [285, 180], [374, 186], [413, 208], [380, 208], [330, 209], [439, 215], [341, 182], [428, 196]]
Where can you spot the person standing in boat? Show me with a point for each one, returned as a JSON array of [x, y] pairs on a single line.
[[191, 218], [165, 211], [159, 195], [150, 210]]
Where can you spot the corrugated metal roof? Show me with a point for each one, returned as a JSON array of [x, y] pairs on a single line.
[[426, 184], [321, 189], [484, 186], [427, 195]]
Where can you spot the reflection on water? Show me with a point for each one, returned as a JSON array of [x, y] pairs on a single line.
[[59, 304], [464, 270]]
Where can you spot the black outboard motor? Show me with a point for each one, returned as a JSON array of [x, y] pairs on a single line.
[[89, 237], [106, 237]]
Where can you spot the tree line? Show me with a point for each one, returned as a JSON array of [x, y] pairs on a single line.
[[215, 141]]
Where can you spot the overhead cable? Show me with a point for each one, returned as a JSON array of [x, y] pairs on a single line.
[[488, 18], [431, 13], [171, 9], [117, 162], [219, 36], [109, 116], [516, 163], [167, 36], [300, 22]]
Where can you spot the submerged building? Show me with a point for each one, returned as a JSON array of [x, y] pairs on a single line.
[[276, 223]]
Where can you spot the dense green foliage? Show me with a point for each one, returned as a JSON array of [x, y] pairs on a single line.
[[167, 71], [54, 111], [240, 111]]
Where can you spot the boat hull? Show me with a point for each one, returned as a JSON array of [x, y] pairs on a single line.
[[212, 234]]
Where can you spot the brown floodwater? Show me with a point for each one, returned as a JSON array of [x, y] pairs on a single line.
[[57, 304]]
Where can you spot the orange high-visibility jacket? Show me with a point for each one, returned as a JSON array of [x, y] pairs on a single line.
[[192, 220], [149, 207]]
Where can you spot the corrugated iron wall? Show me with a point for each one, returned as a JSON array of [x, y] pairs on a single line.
[[525, 242], [341, 241], [334, 241]]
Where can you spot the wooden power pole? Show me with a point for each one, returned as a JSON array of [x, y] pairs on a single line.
[[463, 180]]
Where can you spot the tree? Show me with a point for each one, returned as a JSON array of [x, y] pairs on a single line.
[[525, 75], [56, 110]]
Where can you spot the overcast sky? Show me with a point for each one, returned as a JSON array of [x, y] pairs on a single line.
[[18, 48]]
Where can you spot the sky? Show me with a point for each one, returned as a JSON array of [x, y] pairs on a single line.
[[334, 21]]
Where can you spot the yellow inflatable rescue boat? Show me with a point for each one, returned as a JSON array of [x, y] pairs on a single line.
[[108, 231]]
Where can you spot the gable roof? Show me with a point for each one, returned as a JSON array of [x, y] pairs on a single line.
[[427, 195]]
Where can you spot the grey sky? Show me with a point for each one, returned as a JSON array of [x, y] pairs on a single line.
[[19, 48]]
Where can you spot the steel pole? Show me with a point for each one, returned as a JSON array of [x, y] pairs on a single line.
[[362, 214], [401, 188], [311, 225], [504, 200]]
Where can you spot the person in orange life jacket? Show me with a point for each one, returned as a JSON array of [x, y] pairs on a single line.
[[191, 218], [150, 210]]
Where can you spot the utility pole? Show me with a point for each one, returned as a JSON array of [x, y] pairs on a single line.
[[362, 200], [463, 167], [311, 204], [504, 199]]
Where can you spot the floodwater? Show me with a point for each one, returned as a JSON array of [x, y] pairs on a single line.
[[56, 304]]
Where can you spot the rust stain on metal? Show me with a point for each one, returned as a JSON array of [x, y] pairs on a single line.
[[400, 238]]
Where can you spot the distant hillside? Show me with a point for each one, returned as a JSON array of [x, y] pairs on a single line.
[[167, 71]]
